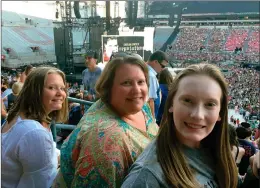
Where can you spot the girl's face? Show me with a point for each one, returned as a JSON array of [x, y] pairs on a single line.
[[196, 108], [54, 92]]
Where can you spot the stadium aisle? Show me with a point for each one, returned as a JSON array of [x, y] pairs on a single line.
[[235, 115]]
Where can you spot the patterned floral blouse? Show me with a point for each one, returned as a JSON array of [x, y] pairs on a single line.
[[99, 152]]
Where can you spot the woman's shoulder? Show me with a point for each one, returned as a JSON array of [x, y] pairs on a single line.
[[241, 150], [29, 125], [25, 126]]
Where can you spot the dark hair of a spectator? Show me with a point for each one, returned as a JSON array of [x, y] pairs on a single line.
[[92, 53], [106, 79], [160, 56], [232, 136], [29, 101], [243, 132], [170, 155], [28, 69], [165, 77]]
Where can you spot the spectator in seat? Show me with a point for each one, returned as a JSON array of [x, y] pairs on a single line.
[[244, 133], [113, 132], [237, 151], [29, 156], [192, 148]]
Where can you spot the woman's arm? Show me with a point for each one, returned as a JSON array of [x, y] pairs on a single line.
[[256, 164]]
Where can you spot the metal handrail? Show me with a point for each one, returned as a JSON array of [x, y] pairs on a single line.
[[71, 99], [55, 126], [65, 126]]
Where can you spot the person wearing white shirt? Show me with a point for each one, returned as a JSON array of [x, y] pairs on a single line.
[[29, 157]]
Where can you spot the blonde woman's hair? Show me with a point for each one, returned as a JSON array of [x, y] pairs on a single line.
[[17, 87], [170, 155], [30, 99]]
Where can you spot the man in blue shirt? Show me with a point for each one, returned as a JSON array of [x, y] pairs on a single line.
[[156, 63], [90, 75]]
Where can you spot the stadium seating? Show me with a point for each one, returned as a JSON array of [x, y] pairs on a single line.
[[190, 39], [253, 43], [161, 35], [217, 39], [236, 38]]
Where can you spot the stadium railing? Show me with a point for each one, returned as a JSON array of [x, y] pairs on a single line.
[[55, 126]]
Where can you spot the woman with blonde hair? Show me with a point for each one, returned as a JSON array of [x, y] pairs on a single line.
[[192, 148], [16, 88], [29, 156]]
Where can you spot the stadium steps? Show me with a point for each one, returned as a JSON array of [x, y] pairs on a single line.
[[161, 35], [176, 38], [226, 38], [208, 38], [245, 47], [171, 38]]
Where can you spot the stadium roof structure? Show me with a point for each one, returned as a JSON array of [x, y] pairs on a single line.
[[202, 7]]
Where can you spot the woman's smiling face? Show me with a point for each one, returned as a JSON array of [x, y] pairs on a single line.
[[196, 108]]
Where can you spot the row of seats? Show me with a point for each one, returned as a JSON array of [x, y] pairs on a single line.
[[20, 39]]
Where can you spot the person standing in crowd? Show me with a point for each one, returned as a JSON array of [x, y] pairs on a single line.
[[90, 75], [113, 132], [237, 151], [156, 63], [253, 173], [165, 81], [29, 156], [192, 148], [25, 73], [244, 134]]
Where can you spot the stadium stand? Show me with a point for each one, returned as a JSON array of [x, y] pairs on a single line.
[[19, 39]]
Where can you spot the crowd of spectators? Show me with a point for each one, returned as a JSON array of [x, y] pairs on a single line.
[[216, 44], [253, 43], [190, 39], [236, 39], [217, 39], [244, 90]]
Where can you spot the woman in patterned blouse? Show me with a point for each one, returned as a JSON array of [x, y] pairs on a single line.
[[113, 132]]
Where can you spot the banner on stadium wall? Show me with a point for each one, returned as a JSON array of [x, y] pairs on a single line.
[[116, 43]]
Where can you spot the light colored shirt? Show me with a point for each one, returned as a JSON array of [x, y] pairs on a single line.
[[5, 93], [154, 89], [154, 84], [29, 157], [89, 79]]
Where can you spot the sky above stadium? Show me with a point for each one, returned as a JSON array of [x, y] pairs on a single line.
[[42, 9]]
